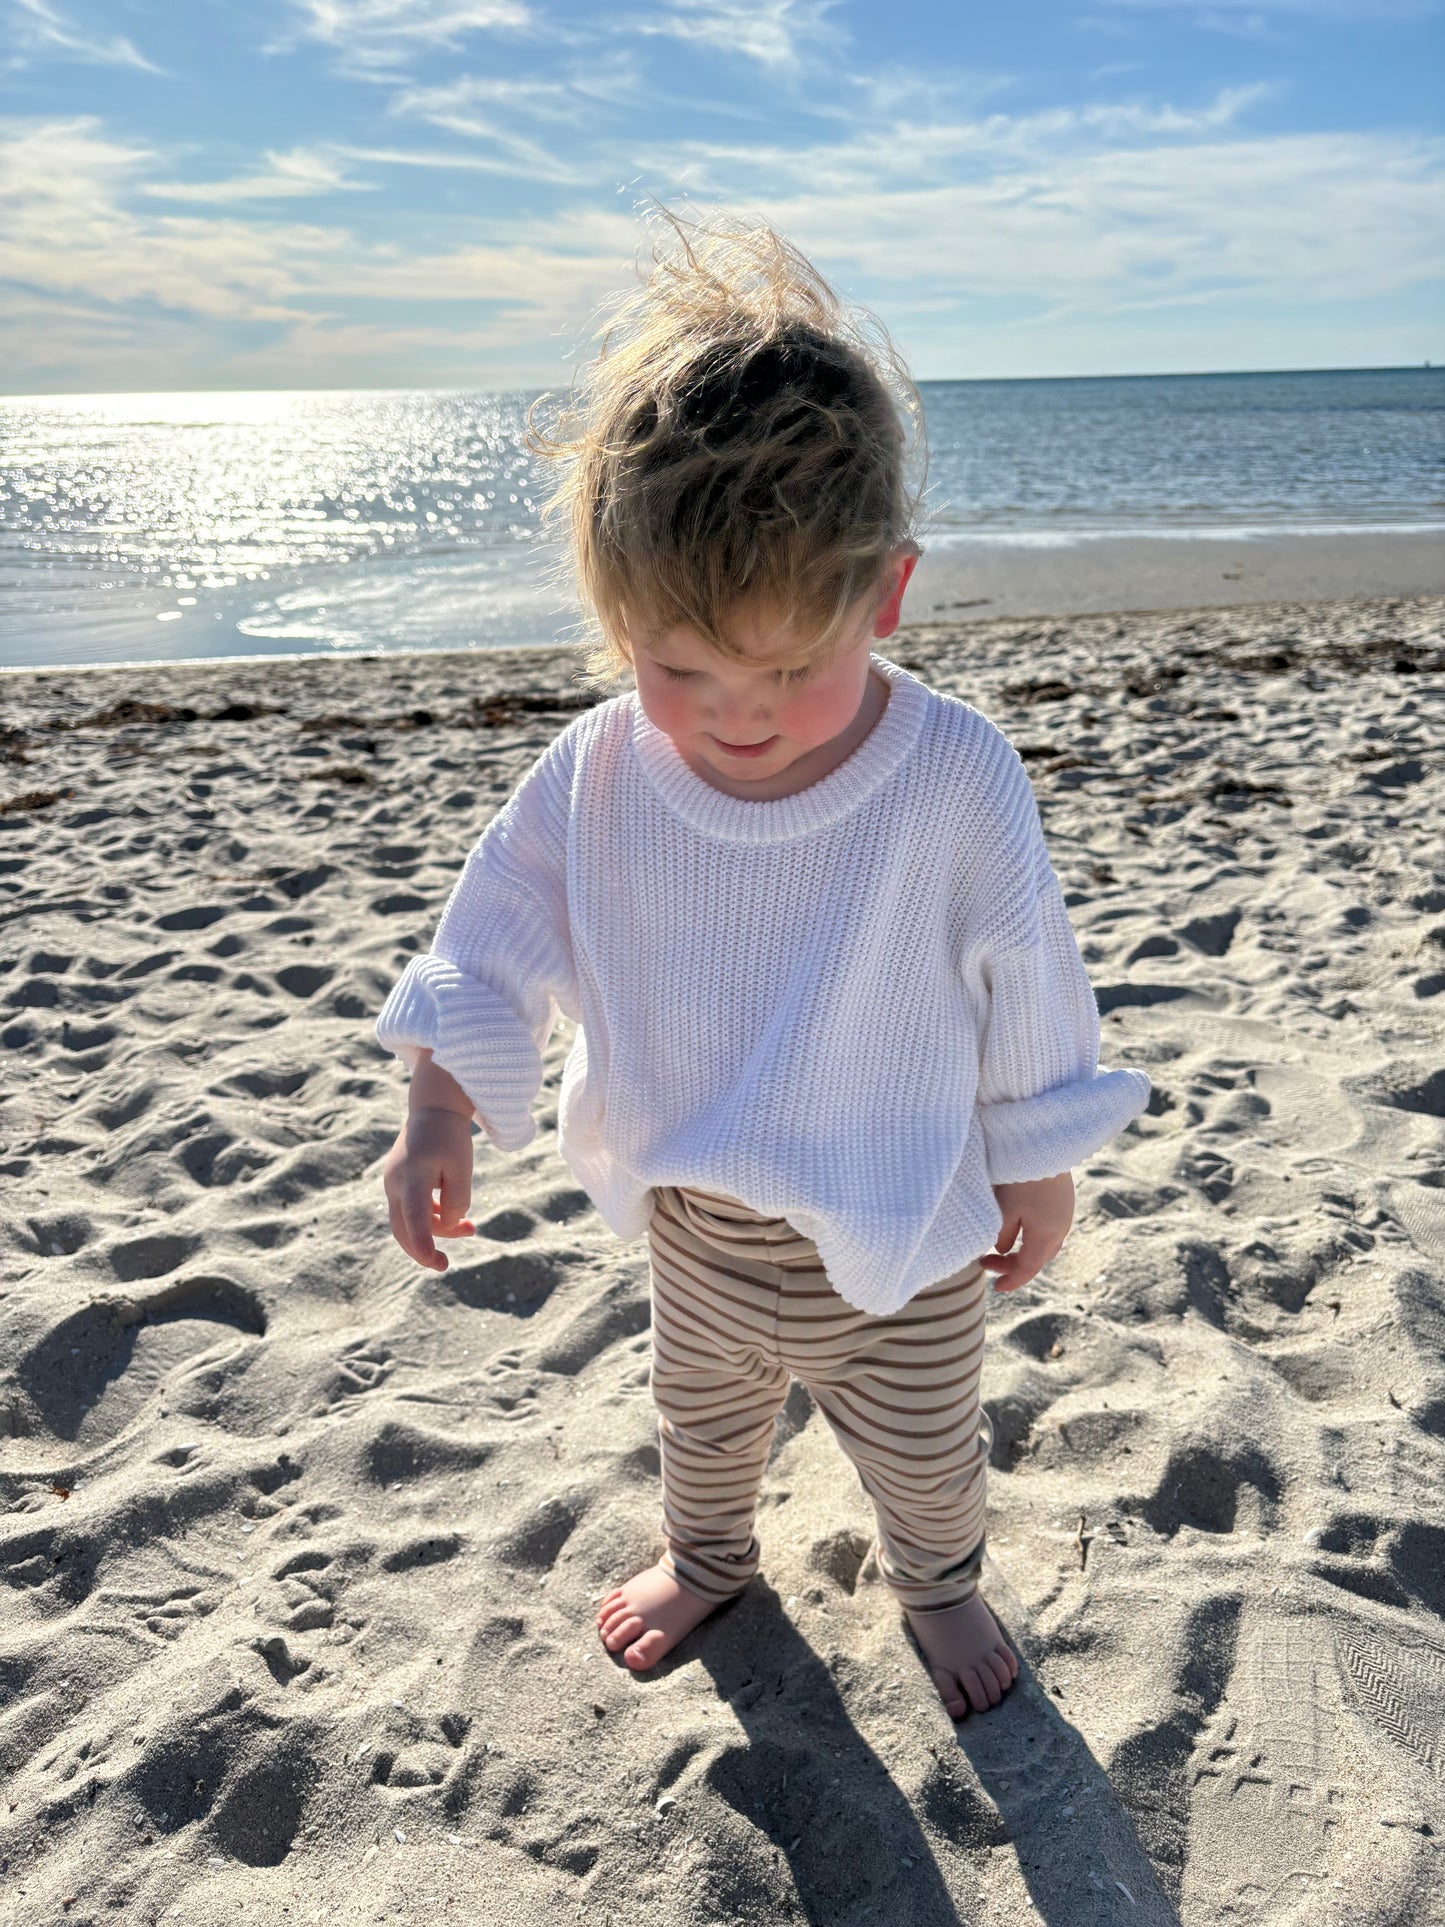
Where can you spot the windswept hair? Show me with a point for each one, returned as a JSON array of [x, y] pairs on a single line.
[[741, 443]]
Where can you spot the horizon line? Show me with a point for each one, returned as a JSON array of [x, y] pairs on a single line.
[[920, 381]]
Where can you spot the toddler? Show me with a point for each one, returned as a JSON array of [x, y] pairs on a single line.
[[837, 1049]]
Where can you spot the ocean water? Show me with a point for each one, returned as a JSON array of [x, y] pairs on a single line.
[[170, 527]]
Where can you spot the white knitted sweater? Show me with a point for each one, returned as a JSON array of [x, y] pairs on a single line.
[[857, 1008]]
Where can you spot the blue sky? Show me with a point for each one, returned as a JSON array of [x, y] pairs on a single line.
[[394, 193]]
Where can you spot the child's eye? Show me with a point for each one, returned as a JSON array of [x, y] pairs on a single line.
[[682, 675]]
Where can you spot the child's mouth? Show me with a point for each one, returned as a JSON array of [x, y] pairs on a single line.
[[745, 749]]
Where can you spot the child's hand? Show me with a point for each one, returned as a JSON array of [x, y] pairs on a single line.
[[1043, 1210], [433, 1152]]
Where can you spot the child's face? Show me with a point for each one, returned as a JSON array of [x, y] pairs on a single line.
[[714, 710]]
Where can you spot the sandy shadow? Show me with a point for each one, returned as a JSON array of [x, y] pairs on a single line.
[[818, 1799], [1077, 1848], [823, 1805]]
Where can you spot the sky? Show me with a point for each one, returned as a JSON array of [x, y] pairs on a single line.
[[200, 194]]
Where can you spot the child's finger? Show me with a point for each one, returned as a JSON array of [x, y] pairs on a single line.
[[417, 1211], [401, 1228], [455, 1195], [1038, 1249]]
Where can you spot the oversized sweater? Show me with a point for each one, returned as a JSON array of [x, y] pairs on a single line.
[[858, 1008]]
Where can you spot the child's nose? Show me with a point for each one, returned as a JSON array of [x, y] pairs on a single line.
[[740, 722]]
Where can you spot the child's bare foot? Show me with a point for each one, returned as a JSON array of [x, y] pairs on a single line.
[[971, 1662], [648, 1616]]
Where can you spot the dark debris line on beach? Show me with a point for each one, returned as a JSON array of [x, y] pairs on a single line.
[[1133, 657]]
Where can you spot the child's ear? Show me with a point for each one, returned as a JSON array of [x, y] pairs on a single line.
[[890, 608]]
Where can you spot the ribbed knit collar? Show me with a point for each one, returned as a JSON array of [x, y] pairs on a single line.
[[739, 819]]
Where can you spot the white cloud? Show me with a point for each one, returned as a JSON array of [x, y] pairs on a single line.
[[302, 173], [376, 37], [43, 28], [486, 108], [455, 104], [772, 32], [1056, 221], [914, 153], [533, 286], [81, 247], [449, 161], [478, 108], [1310, 218], [65, 230]]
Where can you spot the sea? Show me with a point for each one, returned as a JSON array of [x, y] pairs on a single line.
[[173, 527]]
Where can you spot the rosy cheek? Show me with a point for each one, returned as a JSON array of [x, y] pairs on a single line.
[[814, 715], [668, 708]]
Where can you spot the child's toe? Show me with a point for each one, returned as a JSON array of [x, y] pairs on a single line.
[[977, 1692], [950, 1692], [998, 1666], [646, 1651], [625, 1627]]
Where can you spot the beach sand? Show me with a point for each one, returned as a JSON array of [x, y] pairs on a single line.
[[300, 1543], [1106, 573]]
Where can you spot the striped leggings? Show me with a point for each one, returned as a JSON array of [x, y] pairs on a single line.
[[741, 1304]]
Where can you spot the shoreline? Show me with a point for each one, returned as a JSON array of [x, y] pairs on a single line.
[[982, 627], [957, 581]]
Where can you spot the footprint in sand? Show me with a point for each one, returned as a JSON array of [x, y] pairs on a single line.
[[1329, 1730], [420, 1751], [515, 1283], [620, 1312], [535, 1544], [309, 1589], [92, 1373], [1212, 1488], [1274, 1796], [400, 1454]]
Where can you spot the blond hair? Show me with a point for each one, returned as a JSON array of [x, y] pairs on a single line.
[[740, 443]]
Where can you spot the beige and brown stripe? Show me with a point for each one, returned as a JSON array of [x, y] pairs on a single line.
[[741, 1305]]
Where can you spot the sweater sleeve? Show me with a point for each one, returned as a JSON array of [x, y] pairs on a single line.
[[1044, 1104], [485, 999]]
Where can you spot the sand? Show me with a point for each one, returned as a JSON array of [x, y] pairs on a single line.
[[300, 1542], [983, 576]]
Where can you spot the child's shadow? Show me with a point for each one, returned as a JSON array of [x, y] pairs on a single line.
[[821, 1801], [1076, 1845], [818, 1799]]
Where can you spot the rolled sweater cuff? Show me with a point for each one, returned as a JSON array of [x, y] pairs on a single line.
[[1039, 1137], [472, 1032]]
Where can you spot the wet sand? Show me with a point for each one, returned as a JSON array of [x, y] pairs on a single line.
[[982, 578]]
